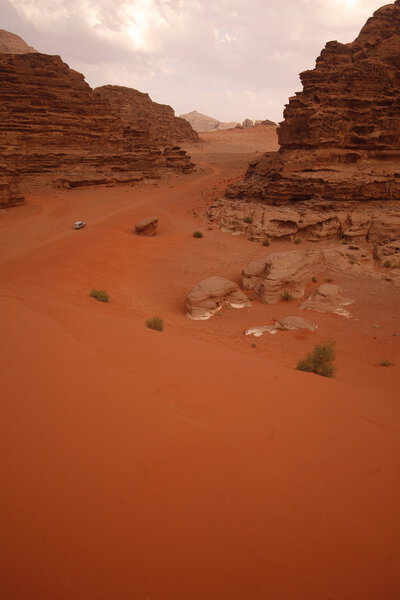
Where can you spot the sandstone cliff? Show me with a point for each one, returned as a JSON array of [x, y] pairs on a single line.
[[340, 138], [156, 121], [55, 128]]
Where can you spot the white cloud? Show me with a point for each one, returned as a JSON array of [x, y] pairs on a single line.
[[226, 58]]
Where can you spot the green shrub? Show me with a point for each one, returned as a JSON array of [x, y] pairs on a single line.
[[266, 243], [314, 279], [155, 323], [297, 241], [286, 296], [319, 361], [386, 363], [197, 234], [387, 264], [248, 220], [329, 280], [100, 295]]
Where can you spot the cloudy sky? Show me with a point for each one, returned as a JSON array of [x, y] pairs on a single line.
[[229, 59]]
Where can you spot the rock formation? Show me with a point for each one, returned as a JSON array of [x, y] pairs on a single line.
[[280, 273], [284, 324], [156, 122], [210, 295], [147, 227], [13, 44], [340, 140], [55, 128], [202, 123], [248, 123], [327, 298]]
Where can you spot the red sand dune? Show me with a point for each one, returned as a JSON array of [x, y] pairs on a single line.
[[184, 465]]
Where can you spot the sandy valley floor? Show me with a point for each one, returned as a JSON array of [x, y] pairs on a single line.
[[188, 464]]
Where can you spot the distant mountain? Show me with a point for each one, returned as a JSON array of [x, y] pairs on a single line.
[[201, 122], [11, 43]]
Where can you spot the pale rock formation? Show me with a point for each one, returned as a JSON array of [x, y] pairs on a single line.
[[281, 272], [247, 123], [202, 123], [282, 325], [210, 295], [327, 298], [288, 272], [147, 227]]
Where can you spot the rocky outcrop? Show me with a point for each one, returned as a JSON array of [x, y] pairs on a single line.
[[340, 138], [389, 254], [147, 227], [55, 128], [155, 122], [281, 273], [210, 295], [284, 275], [285, 324], [311, 221], [13, 44], [327, 298], [248, 123]]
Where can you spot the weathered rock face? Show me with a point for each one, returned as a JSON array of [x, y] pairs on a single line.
[[210, 295], [340, 138], [156, 122], [53, 126], [327, 298], [12, 43], [279, 273], [283, 273]]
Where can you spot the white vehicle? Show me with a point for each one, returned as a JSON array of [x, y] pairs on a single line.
[[79, 224]]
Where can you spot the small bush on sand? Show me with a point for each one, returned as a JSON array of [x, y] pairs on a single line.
[[387, 264], [266, 243], [319, 361], [329, 279], [155, 323], [297, 241], [100, 295], [386, 363], [197, 234], [248, 220], [286, 296], [314, 279]]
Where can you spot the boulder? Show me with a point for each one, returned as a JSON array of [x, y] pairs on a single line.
[[147, 227], [210, 295], [327, 298]]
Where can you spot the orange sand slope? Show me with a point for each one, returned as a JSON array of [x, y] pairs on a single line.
[[182, 465]]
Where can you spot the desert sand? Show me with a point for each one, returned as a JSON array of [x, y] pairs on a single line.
[[187, 464]]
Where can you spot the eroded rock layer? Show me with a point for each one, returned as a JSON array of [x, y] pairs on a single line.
[[340, 138], [154, 121], [53, 126]]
